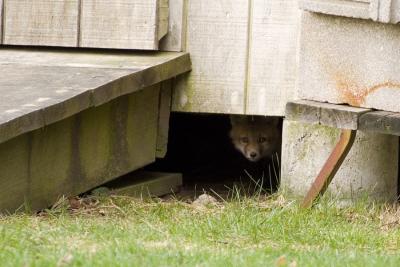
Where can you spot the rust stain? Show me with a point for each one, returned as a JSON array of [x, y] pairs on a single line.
[[351, 91], [354, 93]]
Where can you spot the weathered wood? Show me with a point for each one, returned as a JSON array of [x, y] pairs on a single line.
[[138, 24], [1, 21], [119, 24], [143, 184], [163, 118], [81, 152], [41, 22], [304, 111], [171, 62], [339, 116], [163, 18], [41, 87], [381, 122], [244, 54], [272, 70], [217, 35], [175, 39]]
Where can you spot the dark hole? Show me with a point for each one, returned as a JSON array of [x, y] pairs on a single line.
[[200, 148]]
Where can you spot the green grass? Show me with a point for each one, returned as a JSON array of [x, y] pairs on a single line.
[[117, 231]]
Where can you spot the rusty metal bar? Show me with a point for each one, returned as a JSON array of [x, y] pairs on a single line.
[[330, 167]]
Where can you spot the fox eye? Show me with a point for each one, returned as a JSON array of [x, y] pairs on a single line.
[[244, 140], [262, 139]]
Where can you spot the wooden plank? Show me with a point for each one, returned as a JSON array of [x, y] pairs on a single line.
[[272, 56], [40, 88], [304, 111], [338, 116], [143, 184], [175, 39], [217, 35], [41, 22], [163, 118], [119, 24], [106, 59], [79, 153], [380, 121], [344, 117], [1, 21], [163, 18]]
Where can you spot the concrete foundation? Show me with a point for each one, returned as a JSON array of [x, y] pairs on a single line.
[[370, 169], [350, 61]]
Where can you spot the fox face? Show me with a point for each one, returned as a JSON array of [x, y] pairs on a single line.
[[255, 137]]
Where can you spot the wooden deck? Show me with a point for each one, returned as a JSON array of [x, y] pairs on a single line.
[[40, 87], [72, 120]]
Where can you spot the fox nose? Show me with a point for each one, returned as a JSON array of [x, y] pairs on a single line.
[[253, 155]]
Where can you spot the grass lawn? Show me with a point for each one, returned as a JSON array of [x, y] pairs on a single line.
[[256, 231]]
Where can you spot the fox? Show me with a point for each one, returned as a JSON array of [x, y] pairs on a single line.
[[256, 137]]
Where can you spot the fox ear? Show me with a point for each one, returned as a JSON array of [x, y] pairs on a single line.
[[237, 119]]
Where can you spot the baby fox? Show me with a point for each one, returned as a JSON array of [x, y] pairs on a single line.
[[256, 137]]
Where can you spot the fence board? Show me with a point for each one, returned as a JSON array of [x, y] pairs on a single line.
[[41, 22], [1, 21], [175, 39], [217, 41], [272, 56], [119, 24]]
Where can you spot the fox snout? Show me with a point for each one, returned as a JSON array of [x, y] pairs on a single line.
[[256, 152], [252, 156], [256, 138]]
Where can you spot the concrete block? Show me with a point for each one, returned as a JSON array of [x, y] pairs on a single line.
[[350, 61], [386, 11], [370, 169]]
